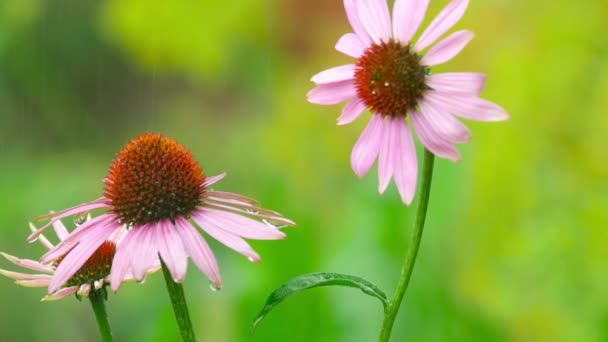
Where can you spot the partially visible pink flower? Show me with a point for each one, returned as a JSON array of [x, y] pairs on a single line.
[[92, 275], [158, 191], [391, 77]]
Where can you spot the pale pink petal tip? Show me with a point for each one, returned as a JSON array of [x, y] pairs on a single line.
[[367, 147], [332, 93], [448, 48], [350, 45], [336, 74], [352, 111], [444, 21], [214, 179], [407, 16], [60, 294]]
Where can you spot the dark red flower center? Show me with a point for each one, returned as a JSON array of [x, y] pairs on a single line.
[[390, 79], [152, 178], [97, 266]]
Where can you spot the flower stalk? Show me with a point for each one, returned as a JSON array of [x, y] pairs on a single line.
[[98, 298], [408, 266], [180, 307]]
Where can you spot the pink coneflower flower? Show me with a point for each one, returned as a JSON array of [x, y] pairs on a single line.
[[157, 189], [93, 274], [392, 78]]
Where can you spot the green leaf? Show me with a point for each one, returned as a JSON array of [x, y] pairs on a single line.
[[309, 281]]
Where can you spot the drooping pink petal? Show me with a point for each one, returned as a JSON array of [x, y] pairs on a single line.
[[121, 265], [350, 45], [172, 250], [355, 21], [446, 19], [24, 276], [228, 239], [41, 238], [367, 147], [405, 169], [62, 293], [387, 153], [407, 17], [253, 212], [99, 203], [212, 180], [332, 93], [431, 140], [457, 82], [37, 283], [30, 264], [60, 230], [447, 48], [147, 250], [241, 226], [231, 197], [336, 74], [74, 260], [445, 124], [199, 251], [352, 111], [467, 106], [375, 18]]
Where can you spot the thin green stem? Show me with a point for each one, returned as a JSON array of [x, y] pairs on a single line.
[[392, 308], [180, 308], [98, 298]]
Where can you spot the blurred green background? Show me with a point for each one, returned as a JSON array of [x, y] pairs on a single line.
[[515, 248]]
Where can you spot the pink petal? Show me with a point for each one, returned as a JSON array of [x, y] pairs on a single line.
[[24, 276], [447, 48], [407, 17], [62, 293], [240, 226], [448, 17], [30, 264], [457, 82], [33, 283], [122, 259], [445, 124], [99, 203], [212, 180], [78, 256], [352, 111], [41, 238], [405, 169], [147, 250], [336, 74], [375, 18], [60, 230], [368, 146], [228, 239], [467, 106], [332, 93], [172, 250], [199, 251], [355, 22], [387, 153], [350, 45], [431, 140]]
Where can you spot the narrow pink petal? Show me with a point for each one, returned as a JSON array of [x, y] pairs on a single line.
[[332, 93], [406, 164], [447, 48], [467, 106], [147, 250], [199, 251], [257, 214], [431, 140], [445, 124], [457, 82], [355, 21], [30, 264], [78, 256], [335, 74], [446, 19], [60, 230], [407, 17], [224, 195], [121, 264], [214, 179], [41, 238], [37, 283], [350, 45], [23, 276], [99, 203], [367, 147], [352, 111], [239, 225], [228, 239], [62, 293], [375, 18], [171, 250], [387, 153]]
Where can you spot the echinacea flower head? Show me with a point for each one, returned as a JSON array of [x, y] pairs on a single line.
[[157, 190], [93, 274], [392, 78]]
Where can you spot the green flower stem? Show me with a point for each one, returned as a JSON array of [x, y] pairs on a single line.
[[180, 308], [390, 313], [98, 298]]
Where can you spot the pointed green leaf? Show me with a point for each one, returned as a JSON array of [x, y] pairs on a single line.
[[309, 281]]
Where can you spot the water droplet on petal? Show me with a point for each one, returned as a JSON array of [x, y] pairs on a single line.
[[251, 259], [214, 287]]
